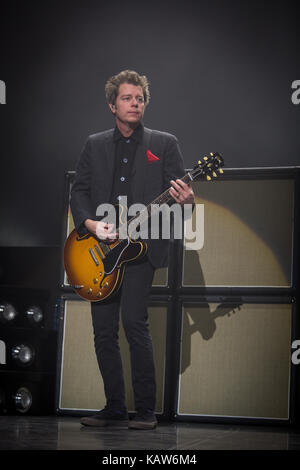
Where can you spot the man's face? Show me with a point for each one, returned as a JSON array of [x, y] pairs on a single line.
[[129, 106]]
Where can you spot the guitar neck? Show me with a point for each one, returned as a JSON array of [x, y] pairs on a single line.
[[154, 206], [207, 168]]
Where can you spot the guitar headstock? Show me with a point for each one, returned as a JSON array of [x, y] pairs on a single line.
[[208, 167]]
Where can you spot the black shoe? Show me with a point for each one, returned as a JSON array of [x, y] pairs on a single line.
[[106, 417], [143, 420]]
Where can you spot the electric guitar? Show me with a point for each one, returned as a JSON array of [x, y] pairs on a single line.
[[95, 268]]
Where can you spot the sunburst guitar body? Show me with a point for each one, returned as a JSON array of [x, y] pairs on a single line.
[[94, 268]]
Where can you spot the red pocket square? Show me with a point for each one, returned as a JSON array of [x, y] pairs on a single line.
[[151, 157]]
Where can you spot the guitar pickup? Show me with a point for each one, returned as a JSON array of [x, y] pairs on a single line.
[[98, 251], [94, 257]]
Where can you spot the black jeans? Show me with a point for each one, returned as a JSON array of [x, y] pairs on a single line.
[[132, 298]]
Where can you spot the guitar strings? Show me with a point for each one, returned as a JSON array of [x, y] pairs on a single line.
[[153, 207]]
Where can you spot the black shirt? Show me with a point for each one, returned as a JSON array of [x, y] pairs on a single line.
[[124, 160]]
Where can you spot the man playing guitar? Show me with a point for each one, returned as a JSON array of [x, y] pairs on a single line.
[[139, 163]]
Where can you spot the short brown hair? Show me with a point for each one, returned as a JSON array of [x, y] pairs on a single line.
[[126, 76]]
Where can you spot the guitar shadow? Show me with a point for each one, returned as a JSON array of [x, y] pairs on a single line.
[[202, 320]]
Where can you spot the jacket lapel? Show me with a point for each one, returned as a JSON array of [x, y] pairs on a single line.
[[140, 167], [109, 169]]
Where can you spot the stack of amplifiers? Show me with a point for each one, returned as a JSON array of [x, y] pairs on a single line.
[[222, 316]]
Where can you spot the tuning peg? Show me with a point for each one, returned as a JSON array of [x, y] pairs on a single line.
[[208, 177], [221, 171], [205, 158], [214, 174], [211, 154], [199, 162]]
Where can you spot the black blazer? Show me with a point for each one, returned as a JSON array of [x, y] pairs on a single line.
[[95, 171]]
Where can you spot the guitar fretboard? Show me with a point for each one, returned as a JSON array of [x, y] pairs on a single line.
[[154, 206], [206, 168]]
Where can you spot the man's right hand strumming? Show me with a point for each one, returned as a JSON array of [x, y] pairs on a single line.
[[102, 230]]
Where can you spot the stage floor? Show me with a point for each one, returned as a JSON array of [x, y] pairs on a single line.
[[66, 433]]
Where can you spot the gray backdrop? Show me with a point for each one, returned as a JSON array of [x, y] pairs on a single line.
[[221, 74]]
